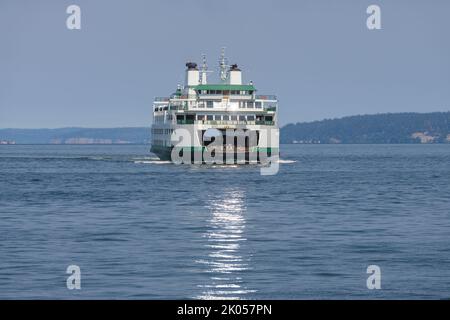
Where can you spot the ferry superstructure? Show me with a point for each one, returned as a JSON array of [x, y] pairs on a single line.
[[206, 111]]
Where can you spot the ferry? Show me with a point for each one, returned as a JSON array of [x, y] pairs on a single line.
[[226, 122]]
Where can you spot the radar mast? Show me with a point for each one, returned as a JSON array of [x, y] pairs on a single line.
[[223, 66]]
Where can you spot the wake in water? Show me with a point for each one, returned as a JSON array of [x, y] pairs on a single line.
[[150, 160], [286, 161], [155, 160]]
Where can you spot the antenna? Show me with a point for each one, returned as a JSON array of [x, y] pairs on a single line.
[[204, 65], [223, 65], [204, 70]]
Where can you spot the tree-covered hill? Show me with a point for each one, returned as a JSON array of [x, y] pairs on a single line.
[[380, 128]]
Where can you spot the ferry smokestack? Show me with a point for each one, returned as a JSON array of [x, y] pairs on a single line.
[[192, 74], [235, 75], [192, 77]]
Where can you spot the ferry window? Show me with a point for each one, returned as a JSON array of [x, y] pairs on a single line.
[[209, 104], [241, 118], [226, 117], [217, 117], [234, 118], [201, 117], [241, 104], [251, 118], [250, 92], [209, 117], [249, 104], [258, 105], [180, 117], [269, 118]]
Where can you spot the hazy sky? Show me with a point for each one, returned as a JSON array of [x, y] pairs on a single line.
[[317, 56]]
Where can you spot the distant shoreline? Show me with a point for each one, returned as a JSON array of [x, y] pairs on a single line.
[[285, 144], [77, 144], [387, 128]]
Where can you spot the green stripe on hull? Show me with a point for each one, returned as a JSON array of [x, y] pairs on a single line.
[[165, 153]]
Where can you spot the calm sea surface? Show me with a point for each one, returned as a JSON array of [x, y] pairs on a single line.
[[143, 229]]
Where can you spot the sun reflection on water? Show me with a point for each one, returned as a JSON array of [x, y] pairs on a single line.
[[226, 262]]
